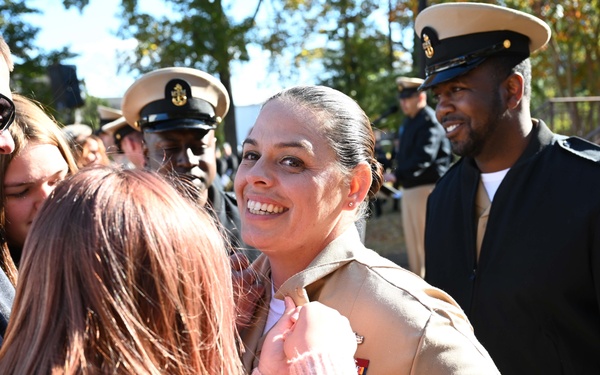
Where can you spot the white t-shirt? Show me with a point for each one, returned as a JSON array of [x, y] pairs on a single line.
[[491, 182], [276, 310]]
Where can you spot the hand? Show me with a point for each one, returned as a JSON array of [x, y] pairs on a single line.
[[320, 329], [305, 330], [273, 359], [246, 289]]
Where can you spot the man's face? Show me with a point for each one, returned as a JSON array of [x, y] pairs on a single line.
[[470, 109], [410, 105], [7, 144], [189, 153]]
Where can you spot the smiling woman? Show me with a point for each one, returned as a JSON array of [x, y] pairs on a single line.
[[307, 173], [42, 158]]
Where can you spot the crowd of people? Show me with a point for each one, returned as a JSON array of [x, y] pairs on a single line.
[[172, 260]]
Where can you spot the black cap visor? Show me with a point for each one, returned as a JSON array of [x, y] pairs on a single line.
[[450, 73], [456, 56], [407, 93], [177, 124]]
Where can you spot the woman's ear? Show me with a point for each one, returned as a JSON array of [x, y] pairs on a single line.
[[360, 184]]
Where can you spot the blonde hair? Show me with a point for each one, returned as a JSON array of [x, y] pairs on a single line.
[[6, 55], [121, 274], [31, 125]]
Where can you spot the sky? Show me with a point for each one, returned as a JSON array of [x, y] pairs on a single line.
[[91, 34]]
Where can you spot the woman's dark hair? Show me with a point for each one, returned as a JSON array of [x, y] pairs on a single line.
[[347, 127]]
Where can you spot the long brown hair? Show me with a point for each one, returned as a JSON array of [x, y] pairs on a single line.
[[121, 274], [32, 124]]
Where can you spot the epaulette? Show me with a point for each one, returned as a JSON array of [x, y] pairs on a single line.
[[581, 148]]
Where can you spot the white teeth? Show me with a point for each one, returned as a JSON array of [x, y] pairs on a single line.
[[263, 209], [451, 128]]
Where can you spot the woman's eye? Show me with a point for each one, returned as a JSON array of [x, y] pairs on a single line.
[[250, 155], [292, 162], [18, 194]]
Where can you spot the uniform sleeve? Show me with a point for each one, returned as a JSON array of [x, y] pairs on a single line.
[[448, 346]]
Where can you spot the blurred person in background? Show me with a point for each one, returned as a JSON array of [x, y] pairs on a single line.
[[108, 115], [92, 152], [87, 147], [128, 141], [423, 156]]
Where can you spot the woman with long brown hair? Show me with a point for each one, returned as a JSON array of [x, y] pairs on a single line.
[[107, 285]]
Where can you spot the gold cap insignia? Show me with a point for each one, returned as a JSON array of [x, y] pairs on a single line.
[[427, 46], [178, 95]]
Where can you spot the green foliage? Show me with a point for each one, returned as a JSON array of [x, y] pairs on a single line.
[[338, 41], [347, 43], [31, 62]]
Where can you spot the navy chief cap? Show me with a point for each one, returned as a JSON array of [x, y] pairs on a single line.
[[119, 129], [108, 114], [408, 86], [457, 37], [175, 98]]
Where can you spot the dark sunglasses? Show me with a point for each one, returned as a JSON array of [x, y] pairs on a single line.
[[7, 112]]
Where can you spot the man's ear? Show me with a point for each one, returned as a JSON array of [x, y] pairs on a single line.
[[514, 85]]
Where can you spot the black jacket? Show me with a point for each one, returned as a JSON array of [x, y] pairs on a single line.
[[534, 296], [424, 153]]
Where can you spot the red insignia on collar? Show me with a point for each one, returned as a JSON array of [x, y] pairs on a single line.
[[361, 365]]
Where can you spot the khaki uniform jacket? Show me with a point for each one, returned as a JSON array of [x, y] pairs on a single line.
[[409, 327]]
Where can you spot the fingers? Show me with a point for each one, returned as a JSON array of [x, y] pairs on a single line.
[[289, 317], [320, 328], [290, 307]]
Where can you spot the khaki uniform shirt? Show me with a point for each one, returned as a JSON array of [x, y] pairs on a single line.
[[409, 327]]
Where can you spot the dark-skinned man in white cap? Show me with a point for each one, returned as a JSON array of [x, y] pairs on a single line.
[[177, 110], [513, 228]]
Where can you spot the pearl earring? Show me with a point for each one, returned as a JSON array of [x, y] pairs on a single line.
[[351, 204]]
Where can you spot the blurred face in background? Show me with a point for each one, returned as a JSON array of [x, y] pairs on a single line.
[[93, 155], [411, 105], [29, 179]]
